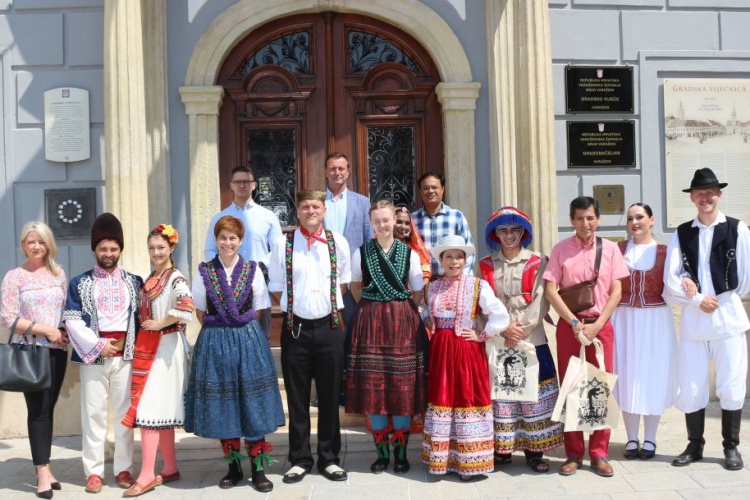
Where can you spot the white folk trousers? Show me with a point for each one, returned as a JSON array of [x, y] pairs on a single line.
[[730, 364], [100, 385]]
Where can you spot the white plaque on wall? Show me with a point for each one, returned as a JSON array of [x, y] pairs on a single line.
[[707, 124], [67, 125]]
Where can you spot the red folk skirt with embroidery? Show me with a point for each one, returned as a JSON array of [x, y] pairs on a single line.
[[385, 370], [458, 429]]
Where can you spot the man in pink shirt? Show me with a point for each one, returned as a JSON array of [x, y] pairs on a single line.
[[572, 261]]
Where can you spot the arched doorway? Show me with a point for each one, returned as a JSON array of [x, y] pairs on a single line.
[[300, 87]]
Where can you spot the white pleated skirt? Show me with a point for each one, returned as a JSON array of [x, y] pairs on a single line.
[[645, 359]]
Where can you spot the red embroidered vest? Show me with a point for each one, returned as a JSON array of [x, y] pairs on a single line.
[[644, 288]]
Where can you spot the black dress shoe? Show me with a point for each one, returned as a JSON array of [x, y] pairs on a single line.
[[733, 459], [692, 453], [296, 474], [333, 472], [44, 494], [645, 454], [56, 486], [632, 453]]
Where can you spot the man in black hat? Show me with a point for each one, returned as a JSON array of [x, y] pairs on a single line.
[[101, 317], [707, 271]]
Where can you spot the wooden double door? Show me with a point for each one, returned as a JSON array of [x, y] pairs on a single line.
[[301, 87]]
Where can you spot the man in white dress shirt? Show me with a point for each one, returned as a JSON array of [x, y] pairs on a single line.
[[308, 272], [262, 228], [101, 318], [708, 272]]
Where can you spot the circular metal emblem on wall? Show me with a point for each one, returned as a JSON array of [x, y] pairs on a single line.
[[70, 212]]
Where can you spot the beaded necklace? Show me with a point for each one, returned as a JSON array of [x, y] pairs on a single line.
[[386, 275], [288, 258]]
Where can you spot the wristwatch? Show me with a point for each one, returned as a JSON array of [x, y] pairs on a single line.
[[574, 323]]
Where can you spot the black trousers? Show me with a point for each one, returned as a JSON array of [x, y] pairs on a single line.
[[317, 353], [40, 406]]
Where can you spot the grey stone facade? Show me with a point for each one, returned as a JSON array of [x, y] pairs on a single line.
[[660, 39]]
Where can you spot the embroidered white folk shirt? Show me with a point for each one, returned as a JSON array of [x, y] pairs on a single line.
[[730, 318], [112, 302]]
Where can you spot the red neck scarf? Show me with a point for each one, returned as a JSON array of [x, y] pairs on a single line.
[[313, 237]]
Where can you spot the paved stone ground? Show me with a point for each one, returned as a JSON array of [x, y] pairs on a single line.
[[202, 467]]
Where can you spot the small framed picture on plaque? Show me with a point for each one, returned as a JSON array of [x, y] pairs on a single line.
[[70, 212]]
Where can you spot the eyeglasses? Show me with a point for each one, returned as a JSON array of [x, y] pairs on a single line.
[[243, 182], [427, 189]]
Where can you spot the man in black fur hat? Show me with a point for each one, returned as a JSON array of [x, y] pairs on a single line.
[[707, 271], [101, 317]]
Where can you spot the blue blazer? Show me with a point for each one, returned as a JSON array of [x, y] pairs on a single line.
[[357, 230]]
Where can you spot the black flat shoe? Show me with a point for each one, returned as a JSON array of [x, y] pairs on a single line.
[[44, 494], [632, 453], [334, 473], [296, 474], [645, 454]]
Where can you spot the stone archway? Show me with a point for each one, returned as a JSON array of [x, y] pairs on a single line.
[[456, 93]]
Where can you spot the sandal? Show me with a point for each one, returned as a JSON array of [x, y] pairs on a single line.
[[503, 458], [465, 478], [538, 465]]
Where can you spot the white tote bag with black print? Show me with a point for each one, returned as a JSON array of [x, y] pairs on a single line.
[[514, 372], [586, 401]]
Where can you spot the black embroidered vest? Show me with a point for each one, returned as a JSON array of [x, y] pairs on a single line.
[[722, 262]]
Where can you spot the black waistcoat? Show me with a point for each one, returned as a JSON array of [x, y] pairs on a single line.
[[722, 262]]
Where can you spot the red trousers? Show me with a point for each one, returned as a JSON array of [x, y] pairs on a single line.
[[567, 346]]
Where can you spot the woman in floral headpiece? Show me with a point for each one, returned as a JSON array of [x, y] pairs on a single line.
[[515, 274], [160, 362], [233, 390]]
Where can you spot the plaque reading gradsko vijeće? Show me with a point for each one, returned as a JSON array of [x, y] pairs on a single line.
[[599, 89]]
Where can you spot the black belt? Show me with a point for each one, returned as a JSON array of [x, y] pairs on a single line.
[[308, 324]]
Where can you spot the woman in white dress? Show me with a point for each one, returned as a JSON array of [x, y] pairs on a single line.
[[645, 336], [160, 362]]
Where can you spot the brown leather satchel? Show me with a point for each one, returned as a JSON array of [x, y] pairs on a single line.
[[580, 296]]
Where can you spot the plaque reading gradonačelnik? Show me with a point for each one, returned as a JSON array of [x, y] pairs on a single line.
[[599, 89], [601, 144]]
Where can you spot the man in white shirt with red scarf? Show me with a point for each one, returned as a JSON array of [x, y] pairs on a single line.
[[307, 272]]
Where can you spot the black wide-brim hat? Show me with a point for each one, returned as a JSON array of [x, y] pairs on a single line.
[[704, 178]]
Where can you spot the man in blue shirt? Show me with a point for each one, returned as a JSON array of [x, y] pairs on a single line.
[[436, 219], [262, 226]]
